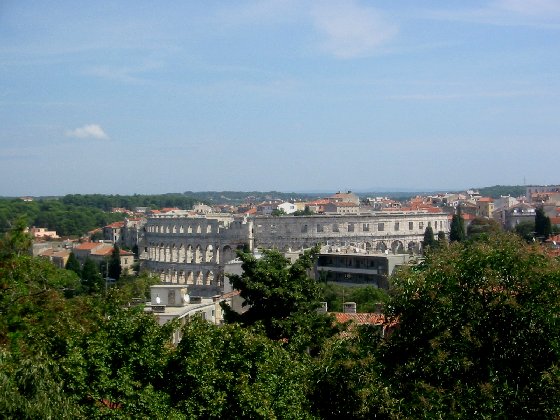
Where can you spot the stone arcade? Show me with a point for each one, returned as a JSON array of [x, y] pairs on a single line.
[[193, 249]]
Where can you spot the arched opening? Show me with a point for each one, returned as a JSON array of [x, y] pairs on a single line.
[[209, 253], [381, 246], [227, 254], [397, 247], [198, 254], [181, 257], [209, 278]]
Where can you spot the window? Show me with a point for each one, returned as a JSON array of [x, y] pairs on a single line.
[[304, 229], [430, 224], [381, 227], [436, 224], [366, 227], [397, 225], [335, 227], [350, 227], [410, 225], [319, 228], [421, 225]]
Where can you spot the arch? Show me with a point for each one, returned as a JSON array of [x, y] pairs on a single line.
[[167, 254], [161, 253], [181, 256], [189, 229], [181, 278], [208, 228], [209, 278], [174, 229], [162, 276], [199, 278], [174, 254], [228, 254], [369, 246], [198, 254], [190, 277], [181, 229], [209, 254], [167, 229], [198, 229], [217, 255], [381, 246], [397, 247], [410, 246], [190, 254]]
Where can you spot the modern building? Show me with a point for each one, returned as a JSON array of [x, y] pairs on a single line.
[[353, 266], [173, 301]]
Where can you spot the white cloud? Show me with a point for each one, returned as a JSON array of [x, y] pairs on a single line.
[[88, 131], [351, 30]]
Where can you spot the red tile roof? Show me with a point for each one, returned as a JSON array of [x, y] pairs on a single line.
[[115, 225], [88, 246], [360, 318]]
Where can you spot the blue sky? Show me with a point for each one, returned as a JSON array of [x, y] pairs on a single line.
[[292, 95]]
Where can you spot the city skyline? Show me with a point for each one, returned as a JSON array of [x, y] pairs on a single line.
[[140, 97]]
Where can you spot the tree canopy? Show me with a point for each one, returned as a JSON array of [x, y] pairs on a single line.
[[477, 332], [457, 229]]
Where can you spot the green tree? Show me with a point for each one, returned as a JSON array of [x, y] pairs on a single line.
[[457, 229], [278, 212], [73, 264], [543, 226], [115, 268], [281, 298], [232, 372], [92, 281], [442, 239], [478, 333], [526, 230], [429, 240], [481, 227]]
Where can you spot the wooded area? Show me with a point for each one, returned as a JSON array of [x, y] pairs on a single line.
[[474, 333]]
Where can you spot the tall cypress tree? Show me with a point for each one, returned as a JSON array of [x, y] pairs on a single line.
[[429, 240], [73, 264], [115, 267], [457, 230], [543, 227]]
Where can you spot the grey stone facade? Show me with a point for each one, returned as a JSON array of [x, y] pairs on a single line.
[[194, 249]]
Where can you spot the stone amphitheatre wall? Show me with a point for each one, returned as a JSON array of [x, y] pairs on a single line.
[[193, 250], [397, 232]]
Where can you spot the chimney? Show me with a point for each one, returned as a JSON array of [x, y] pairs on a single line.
[[323, 309], [349, 307]]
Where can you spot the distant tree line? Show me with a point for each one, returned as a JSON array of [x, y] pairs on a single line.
[[65, 219], [129, 202], [502, 190]]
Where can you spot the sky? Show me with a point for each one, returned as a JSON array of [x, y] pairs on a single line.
[[147, 97]]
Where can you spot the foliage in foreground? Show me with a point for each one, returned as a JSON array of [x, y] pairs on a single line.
[[476, 335], [478, 332]]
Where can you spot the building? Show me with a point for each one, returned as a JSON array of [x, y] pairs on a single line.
[[341, 208], [517, 214], [539, 189], [113, 232], [352, 266], [43, 233], [484, 207], [100, 252], [173, 301], [194, 249]]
